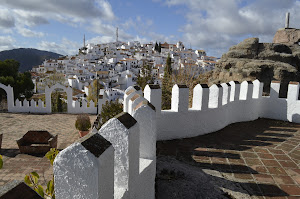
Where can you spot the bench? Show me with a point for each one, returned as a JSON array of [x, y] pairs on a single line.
[[37, 142]]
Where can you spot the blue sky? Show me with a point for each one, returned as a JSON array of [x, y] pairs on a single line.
[[212, 25]]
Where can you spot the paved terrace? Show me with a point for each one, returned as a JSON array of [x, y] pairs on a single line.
[[14, 126], [262, 157]]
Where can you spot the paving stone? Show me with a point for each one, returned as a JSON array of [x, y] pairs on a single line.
[[14, 126]]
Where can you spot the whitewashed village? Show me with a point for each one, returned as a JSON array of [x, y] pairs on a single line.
[[118, 64]]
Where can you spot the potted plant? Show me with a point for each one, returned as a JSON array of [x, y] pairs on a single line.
[[83, 124]]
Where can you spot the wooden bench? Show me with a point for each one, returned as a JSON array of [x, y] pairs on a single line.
[[37, 142]]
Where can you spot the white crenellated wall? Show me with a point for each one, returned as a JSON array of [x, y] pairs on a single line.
[[215, 107], [40, 107], [126, 167]]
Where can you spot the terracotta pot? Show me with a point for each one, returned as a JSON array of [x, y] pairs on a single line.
[[83, 133]]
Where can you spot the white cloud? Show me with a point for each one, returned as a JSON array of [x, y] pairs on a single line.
[[6, 43], [23, 15], [6, 20], [29, 33], [66, 47], [215, 25], [74, 9]]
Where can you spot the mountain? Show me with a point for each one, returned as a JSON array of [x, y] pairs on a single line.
[[28, 57]]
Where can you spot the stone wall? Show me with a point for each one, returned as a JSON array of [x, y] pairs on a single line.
[[40, 107]]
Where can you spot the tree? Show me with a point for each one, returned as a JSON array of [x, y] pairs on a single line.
[[21, 82], [146, 77], [159, 47], [109, 110], [59, 106], [187, 76], [168, 67], [156, 47], [167, 85], [55, 78], [93, 90]]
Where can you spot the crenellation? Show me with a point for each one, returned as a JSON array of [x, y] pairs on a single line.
[[215, 96], [293, 91], [180, 98], [133, 134], [226, 93], [154, 97], [274, 89], [235, 90], [200, 97]]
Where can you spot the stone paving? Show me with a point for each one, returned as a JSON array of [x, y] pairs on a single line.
[[14, 126], [262, 156]]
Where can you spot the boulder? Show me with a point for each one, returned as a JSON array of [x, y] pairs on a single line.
[[250, 60], [288, 36]]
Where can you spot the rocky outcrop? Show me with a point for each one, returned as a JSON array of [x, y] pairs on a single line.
[[250, 60], [288, 36]]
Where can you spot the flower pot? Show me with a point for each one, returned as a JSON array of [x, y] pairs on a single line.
[[83, 133]]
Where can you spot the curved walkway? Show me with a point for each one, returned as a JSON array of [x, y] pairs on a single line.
[[261, 159]]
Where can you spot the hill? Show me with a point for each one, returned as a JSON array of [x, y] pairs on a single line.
[[28, 57]]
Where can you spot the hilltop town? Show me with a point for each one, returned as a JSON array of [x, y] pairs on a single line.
[[117, 65]]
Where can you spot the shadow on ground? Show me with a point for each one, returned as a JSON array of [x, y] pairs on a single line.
[[235, 162]]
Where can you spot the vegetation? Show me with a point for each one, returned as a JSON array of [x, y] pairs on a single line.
[[83, 122], [157, 47], [167, 85], [28, 57], [21, 82], [32, 179], [93, 91], [145, 78], [110, 110], [187, 76], [59, 106], [55, 78]]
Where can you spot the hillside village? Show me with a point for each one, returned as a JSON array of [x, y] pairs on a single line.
[[118, 65]]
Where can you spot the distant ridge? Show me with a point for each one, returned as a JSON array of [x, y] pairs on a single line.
[[28, 57]]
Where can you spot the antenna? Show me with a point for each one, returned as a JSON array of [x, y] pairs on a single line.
[[287, 20], [84, 40], [117, 35]]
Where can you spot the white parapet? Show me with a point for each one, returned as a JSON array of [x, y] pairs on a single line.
[[200, 97], [180, 98], [215, 96], [235, 91], [123, 132], [274, 89], [85, 169], [153, 94]]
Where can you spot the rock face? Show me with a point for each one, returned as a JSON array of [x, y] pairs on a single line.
[[250, 60], [288, 36]]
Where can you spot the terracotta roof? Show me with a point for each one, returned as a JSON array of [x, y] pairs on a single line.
[[102, 72]]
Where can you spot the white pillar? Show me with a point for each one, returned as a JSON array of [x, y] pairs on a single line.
[[200, 97], [215, 96], [153, 94], [275, 88], [123, 132], [180, 98], [85, 169], [235, 90]]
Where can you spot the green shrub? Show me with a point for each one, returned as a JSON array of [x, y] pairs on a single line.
[[83, 122]]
